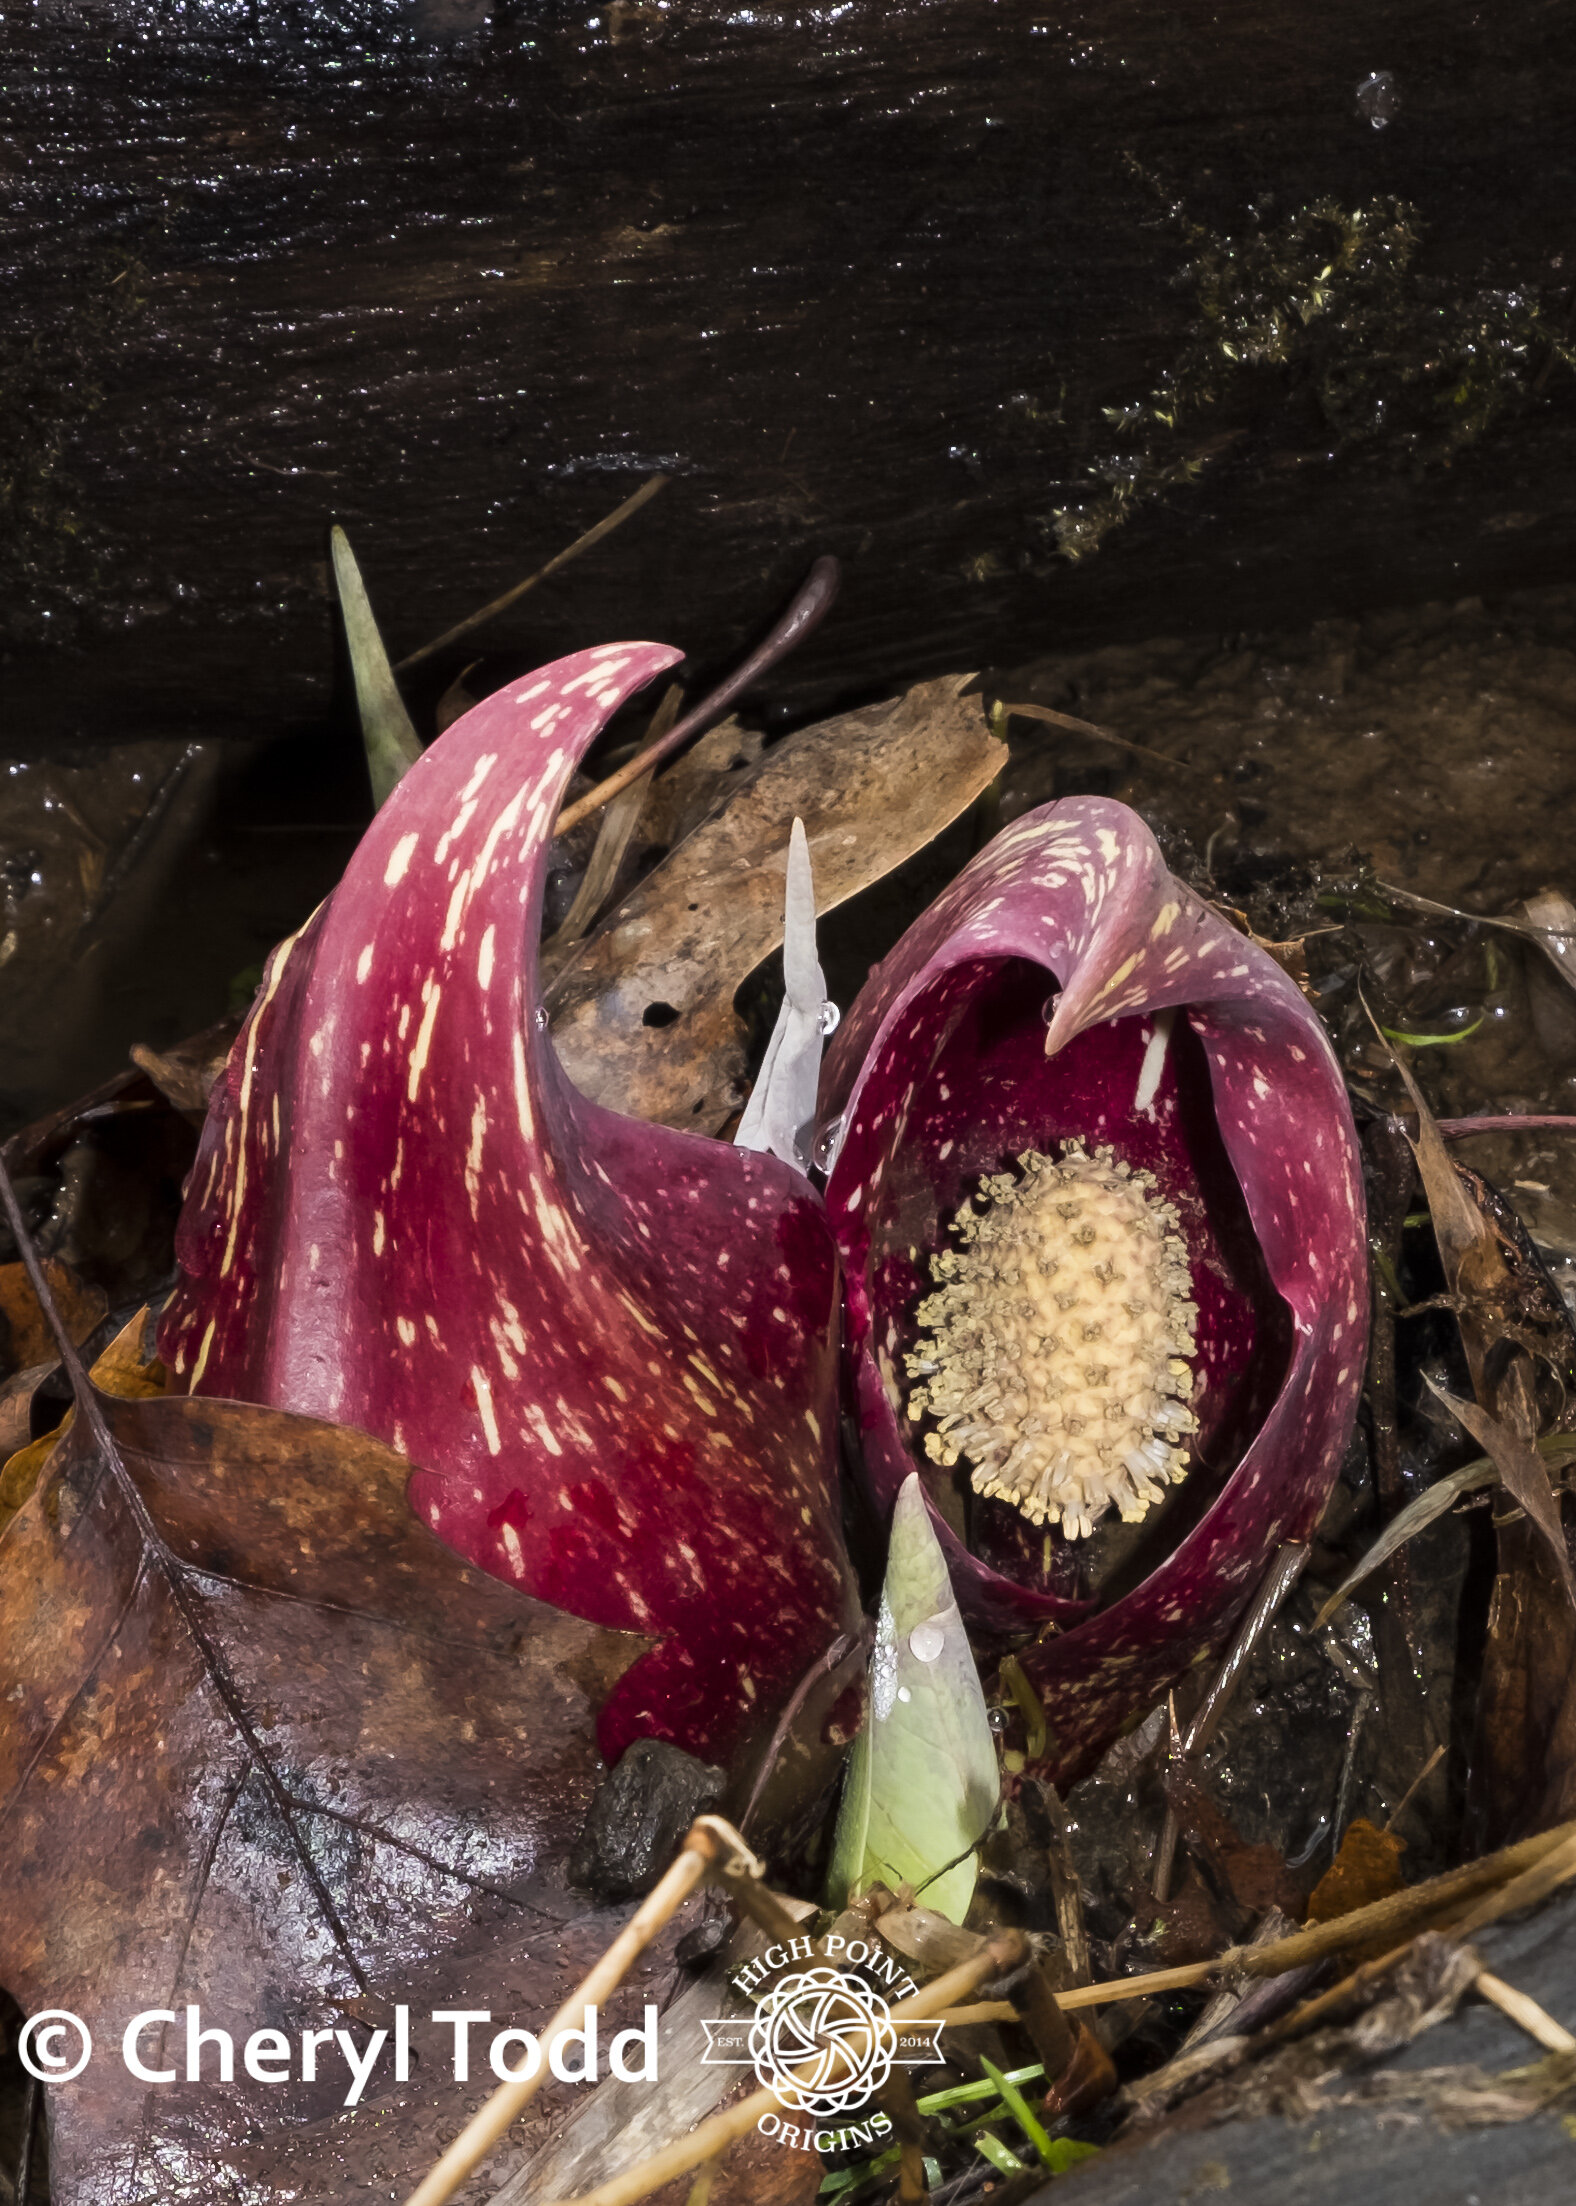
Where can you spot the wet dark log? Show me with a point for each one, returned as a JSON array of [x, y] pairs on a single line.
[[864, 277]]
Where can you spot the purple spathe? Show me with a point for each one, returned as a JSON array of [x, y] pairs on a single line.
[[611, 1348]]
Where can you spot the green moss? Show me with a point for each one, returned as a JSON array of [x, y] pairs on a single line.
[[1332, 304]]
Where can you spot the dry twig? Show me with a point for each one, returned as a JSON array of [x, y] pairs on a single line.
[[807, 611], [582, 543], [1540, 2026], [710, 1846], [1088, 727]]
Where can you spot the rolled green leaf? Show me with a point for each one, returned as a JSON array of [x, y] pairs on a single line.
[[922, 1779]]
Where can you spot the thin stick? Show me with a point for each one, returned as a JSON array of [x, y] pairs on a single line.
[[1065, 1887], [1285, 1568], [1554, 1867], [1533, 1867], [1457, 1129], [488, 2123], [839, 1651], [618, 828], [807, 611], [1171, 1827], [714, 2137], [1527, 927], [1179, 1979], [1415, 1787], [1106, 735], [604, 527], [1525, 2013]]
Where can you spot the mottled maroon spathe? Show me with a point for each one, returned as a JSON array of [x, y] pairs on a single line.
[[1019, 1012], [610, 1347]]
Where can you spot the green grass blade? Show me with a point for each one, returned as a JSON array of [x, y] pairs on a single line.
[[968, 2094], [1022, 2113], [391, 742], [1432, 1041], [992, 2149]]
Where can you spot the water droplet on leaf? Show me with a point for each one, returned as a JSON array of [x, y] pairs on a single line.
[[926, 1641], [824, 1148]]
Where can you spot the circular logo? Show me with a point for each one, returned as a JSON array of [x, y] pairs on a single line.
[[822, 2041], [39, 2045]]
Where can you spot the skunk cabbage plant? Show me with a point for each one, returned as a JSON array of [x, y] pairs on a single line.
[[1098, 1197], [611, 1348]]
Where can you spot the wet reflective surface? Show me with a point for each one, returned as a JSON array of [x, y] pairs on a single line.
[[892, 282]]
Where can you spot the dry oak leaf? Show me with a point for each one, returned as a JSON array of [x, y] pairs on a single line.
[[643, 1016], [267, 1748], [122, 1369], [26, 1339]]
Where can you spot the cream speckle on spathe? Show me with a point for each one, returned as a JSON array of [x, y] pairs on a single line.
[[399, 860], [452, 833], [1061, 1332], [484, 1402], [430, 992]]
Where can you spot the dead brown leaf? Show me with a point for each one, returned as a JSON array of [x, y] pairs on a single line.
[[1467, 1248], [266, 1748], [1516, 1337], [1292, 958], [185, 1073], [643, 1016], [686, 791], [1524, 1753], [16, 1407], [1552, 919], [1244, 1880], [1368, 1867], [1523, 1473], [24, 1336], [127, 1367], [111, 1163]]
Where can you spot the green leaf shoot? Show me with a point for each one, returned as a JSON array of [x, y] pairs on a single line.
[[922, 1785], [391, 742]]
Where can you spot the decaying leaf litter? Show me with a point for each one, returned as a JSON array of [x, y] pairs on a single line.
[[1326, 1750]]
